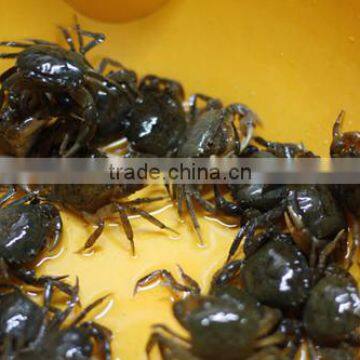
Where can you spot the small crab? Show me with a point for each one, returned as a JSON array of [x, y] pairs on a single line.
[[20, 317], [228, 323], [332, 312], [30, 331], [314, 217], [62, 78], [159, 126], [27, 228], [251, 200], [211, 132], [274, 270], [312, 213], [96, 202], [156, 124]]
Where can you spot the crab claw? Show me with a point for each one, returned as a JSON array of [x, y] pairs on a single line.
[[337, 126], [248, 121], [249, 134], [297, 230]]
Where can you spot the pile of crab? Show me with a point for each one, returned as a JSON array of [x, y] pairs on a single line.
[[291, 289]]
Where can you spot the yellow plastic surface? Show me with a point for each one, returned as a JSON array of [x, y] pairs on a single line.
[[296, 62]]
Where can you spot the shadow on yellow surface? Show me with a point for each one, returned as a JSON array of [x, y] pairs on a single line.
[[295, 62], [116, 10]]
